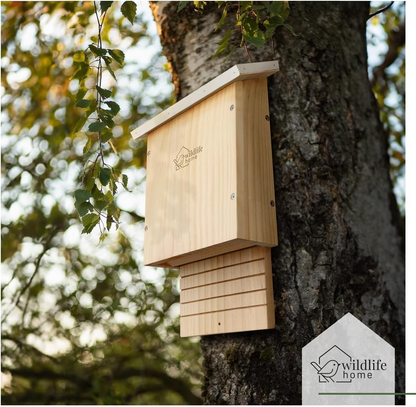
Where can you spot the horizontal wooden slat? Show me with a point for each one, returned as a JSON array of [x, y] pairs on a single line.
[[223, 274], [244, 300], [220, 289], [236, 320], [225, 260]]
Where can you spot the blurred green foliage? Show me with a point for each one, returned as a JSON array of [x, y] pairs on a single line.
[[81, 323], [387, 33]]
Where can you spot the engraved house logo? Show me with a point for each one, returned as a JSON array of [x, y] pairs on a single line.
[[185, 156]]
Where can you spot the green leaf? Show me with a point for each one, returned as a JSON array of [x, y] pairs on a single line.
[[80, 94], [108, 61], [106, 135], [82, 72], [117, 55], [222, 19], [81, 195], [87, 147], [101, 204], [110, 221], [105, 175], [257, 41], [114, 107], [104, 93], [83, 103], [84, 208], [98, 52], [290, 28], [107, 120], [91, 108], [89, 222], [105, 5], [80, 124], [250, 26], [128, 9], [273, 22], [182, 5], [79, 56], [125, 181], [225, 38], [96, 127], [96, 193], [223, 44]]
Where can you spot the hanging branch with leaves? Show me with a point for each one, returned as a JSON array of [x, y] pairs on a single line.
[[95, 200], [256, 23]]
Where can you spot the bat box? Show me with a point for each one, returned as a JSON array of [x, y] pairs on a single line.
[[210, 201]]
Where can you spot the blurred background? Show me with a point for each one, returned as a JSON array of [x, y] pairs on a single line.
[[85, 322]]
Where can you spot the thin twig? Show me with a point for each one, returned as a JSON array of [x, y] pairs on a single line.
[[99, 72], [381, 10]]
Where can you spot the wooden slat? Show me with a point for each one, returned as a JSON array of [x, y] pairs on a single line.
[[245, 319], [228, 259], [223, 274], [243, 300], [241, 285]]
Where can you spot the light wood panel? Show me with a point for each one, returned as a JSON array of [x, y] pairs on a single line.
[[256, 212], [228, 293], [190, 208], [210, 179]]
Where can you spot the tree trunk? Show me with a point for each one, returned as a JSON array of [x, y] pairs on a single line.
[[340, 247]]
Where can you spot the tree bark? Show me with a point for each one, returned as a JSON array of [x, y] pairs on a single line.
[[340, 247]]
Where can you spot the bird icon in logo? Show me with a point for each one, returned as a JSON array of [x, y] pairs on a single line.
[[328, 370]]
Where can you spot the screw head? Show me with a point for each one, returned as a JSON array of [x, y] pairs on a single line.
[[145, 228], [232, 196], [232, 107], [148, 153], [272, 203], [267, 117]]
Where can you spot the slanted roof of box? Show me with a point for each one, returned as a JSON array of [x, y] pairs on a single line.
[[239, 72]]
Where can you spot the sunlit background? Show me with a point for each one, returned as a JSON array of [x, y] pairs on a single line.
[[77, 314]]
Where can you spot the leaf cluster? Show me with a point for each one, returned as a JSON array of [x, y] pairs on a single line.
[[256, 22], [95, 202]]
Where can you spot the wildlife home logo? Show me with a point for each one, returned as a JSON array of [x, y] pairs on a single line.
[[337, 366], [185, 156], [348, 363]]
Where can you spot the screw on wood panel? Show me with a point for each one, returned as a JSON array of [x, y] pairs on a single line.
[[232, 196], [267, 117], [219, 323], [232, 107], [272, 203], [148, 153], [146, 228]]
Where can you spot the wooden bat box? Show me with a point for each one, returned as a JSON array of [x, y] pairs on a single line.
[[210, 203]]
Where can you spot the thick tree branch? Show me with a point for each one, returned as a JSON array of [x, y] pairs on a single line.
[[21, 344], [169, 383], [174, 384]]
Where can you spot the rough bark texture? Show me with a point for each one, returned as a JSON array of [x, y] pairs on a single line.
[[340, 244]]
